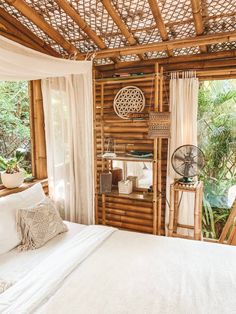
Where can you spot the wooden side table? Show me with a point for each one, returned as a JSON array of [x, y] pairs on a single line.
[[175, 189]]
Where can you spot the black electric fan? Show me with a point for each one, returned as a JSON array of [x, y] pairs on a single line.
[[187, 161]]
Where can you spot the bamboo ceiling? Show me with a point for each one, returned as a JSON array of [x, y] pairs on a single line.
[[121, 30]]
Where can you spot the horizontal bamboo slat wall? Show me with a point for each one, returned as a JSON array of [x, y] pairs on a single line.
[[135, 215]]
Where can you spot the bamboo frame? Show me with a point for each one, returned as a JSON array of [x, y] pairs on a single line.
[[127, 211]]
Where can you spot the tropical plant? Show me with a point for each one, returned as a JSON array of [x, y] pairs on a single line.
[[12, 165], [217, 138]]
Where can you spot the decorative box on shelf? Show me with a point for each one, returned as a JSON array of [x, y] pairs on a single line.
[[125, 186]]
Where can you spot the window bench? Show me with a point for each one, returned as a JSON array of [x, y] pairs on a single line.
[[4, 191]]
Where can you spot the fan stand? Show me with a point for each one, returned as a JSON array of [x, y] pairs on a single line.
[[175, 189], [186, 180]]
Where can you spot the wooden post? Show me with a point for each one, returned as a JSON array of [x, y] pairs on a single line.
[[176, 210], [38, 143], [102, 150], [172, 209], [94, 153], [155, 157]]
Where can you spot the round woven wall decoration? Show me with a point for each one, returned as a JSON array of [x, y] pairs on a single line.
[[128, 100]]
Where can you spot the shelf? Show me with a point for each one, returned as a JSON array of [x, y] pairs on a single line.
[[136, 195], [127, 158]]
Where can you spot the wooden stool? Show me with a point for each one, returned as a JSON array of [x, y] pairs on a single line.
[[175, 189]]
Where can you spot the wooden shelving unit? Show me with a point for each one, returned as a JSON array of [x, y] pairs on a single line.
[[138, 211]]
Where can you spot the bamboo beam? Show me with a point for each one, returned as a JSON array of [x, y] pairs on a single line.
[[121, 25], [15, 39], [171, 60], [38, 142], [81, 23], [171, 44], [159, 22], [28, 38], [198, 21], [69, 9], [38, 20]]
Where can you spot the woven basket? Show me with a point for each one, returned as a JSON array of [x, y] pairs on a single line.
[[159, 125]]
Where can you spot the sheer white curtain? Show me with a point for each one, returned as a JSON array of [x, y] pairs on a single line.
[[69, 142], [183, 106], [68, 105]]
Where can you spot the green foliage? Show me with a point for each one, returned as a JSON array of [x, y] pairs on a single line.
[[14, 121], [12, 165], [217, 138]]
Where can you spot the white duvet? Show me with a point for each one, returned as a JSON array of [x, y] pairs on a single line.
[[104, 271]]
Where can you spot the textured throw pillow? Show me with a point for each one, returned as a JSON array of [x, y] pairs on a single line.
[[4, 285], [39, 224], [9, 205]]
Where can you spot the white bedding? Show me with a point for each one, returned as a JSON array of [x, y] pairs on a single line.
[[14, 264], [133, 273]]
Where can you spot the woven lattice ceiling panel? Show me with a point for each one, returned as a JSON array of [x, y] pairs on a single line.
[[32, 27], [218, 16]]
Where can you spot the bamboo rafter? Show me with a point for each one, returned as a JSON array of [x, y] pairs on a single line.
[[30, 13], [170, 60], [121, 25], [159, 22], [134, 23], [171, 44], [198, 21], [82, 24], [21, 32]]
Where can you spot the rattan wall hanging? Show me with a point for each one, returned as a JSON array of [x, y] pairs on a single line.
[[159, 125], [129, 99]]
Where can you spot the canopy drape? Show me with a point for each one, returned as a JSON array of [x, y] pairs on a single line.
[[21, 63], [183, 106], [68, 108]]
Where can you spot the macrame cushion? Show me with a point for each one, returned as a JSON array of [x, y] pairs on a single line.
[[4, 285], [39, 224]]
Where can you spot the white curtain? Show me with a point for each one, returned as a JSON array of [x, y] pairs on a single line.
[[68, 106], [183, 106]]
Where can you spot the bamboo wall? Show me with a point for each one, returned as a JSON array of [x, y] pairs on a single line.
[[125, 213]]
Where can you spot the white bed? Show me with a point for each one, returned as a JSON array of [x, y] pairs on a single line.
[[104, 270]]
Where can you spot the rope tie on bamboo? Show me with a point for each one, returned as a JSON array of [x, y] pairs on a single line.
[[183, 75], [90, 55]]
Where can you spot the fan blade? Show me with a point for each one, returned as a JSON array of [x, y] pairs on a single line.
[[180, 169], [179, 158]]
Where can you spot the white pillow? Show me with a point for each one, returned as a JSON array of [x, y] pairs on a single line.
[[9, 205]]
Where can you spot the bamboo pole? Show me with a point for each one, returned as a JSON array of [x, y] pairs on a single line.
[[198, 21], [159, 22], [155, 148], [94, 153], [103, 162], [39, 160], [35, 41], [171, 44], [159, 165], [120, 24], [169, 60], [38, 20]]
